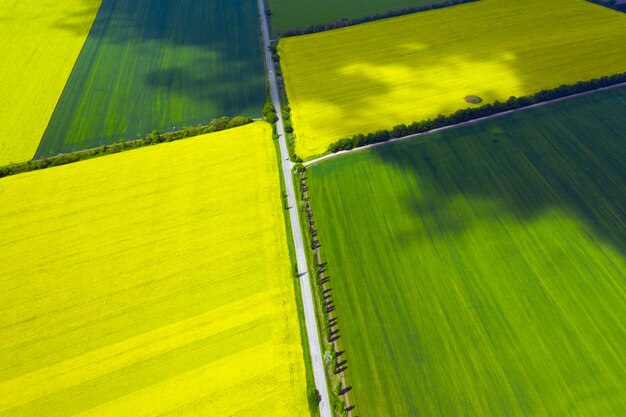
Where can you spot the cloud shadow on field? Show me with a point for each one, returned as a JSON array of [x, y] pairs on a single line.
[[153, 20], [564, 157], [79, 22], [218, 30], [516, 172], [582, 186], [198, 86], [338, 92], [438, 199], [154, 64]]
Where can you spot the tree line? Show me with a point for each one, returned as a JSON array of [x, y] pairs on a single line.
[[378, 16], [468, 114], [269, 113], [153, 138]]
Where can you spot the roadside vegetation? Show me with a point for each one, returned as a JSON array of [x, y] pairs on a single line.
[[377, 75], [334, 356], [313, 396], [165, 268], [482, 267]]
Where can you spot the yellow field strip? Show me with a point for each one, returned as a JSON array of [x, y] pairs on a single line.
[[220, 396], [151, 282], [377, 75], [122, 354], [39, 43]]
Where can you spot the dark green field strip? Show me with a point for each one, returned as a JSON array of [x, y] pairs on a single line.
[[482, 271], [159, 64], [292, 14]]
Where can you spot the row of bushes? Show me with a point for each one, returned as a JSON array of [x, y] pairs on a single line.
[[153, 138], [291, 138], [270, 115], [351, 22], [613, 4], [468, 114]]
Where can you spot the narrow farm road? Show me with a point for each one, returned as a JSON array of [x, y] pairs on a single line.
[[469, 122], [315, 350]]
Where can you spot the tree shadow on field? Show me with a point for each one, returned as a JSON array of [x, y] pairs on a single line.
[[566, 156]]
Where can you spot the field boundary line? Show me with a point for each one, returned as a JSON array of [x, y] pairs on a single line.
[[121, 145], [315, 351], [466, 123]]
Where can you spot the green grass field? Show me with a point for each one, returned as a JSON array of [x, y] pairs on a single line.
[[290, 14], [481, 271], [156, 64]]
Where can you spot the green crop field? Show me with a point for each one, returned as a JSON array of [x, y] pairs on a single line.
[[481, 271], [291, 14], [159, 64]]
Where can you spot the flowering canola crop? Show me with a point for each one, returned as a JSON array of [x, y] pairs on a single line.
[[376, 75], [39, 43], [151, 282]]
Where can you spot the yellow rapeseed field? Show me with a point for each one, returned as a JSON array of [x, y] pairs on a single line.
[[151, 282], [377, 75], [39, 44]]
